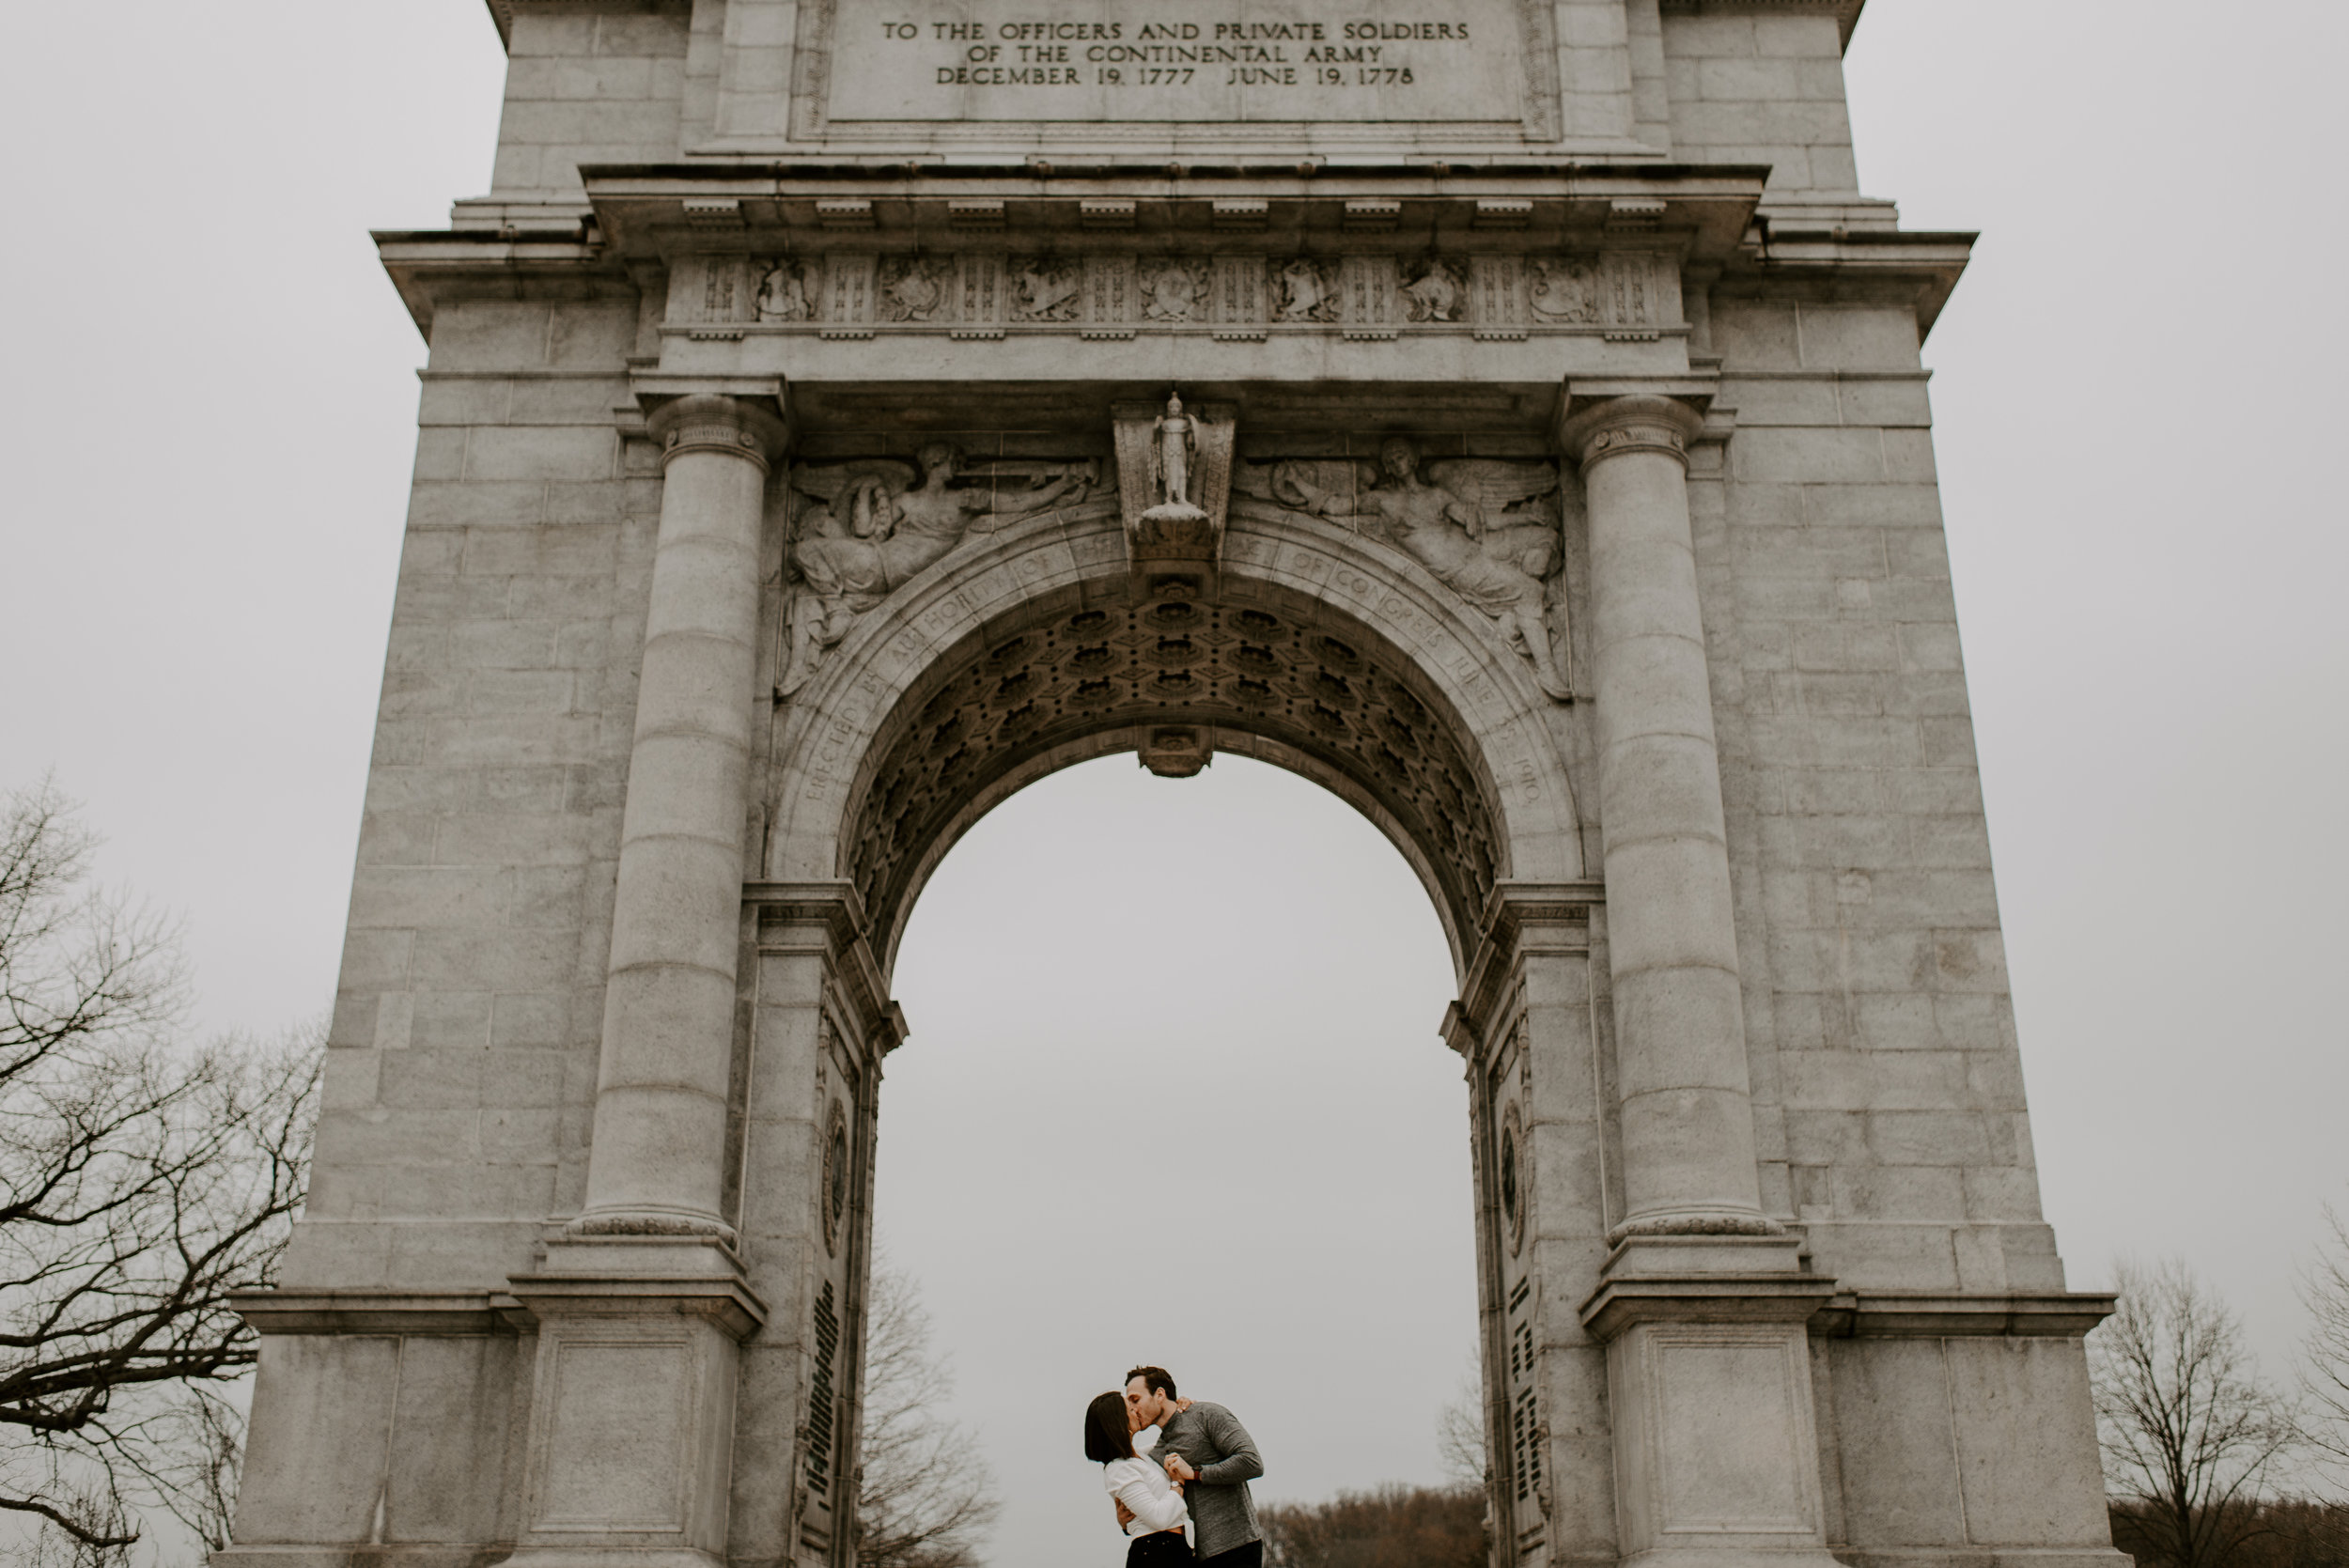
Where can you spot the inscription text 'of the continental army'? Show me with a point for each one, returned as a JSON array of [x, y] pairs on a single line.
[[1150, 60]]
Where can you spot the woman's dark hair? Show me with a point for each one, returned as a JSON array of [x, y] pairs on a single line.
[[1106, 1433]]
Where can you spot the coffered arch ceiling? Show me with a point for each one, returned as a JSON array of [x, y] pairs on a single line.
[[1075, 674]]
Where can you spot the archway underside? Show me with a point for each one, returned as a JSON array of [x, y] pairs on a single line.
[[1092, 669]]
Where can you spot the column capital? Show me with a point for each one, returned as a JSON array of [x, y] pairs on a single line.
[[1634, 422], [745, 428]]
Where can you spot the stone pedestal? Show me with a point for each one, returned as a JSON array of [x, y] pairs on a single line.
[[631, 1425]]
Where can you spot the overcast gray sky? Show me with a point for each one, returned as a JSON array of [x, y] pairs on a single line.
[[208, 425]]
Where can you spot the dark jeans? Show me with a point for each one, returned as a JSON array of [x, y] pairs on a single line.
[[1250, 1556], [1161, 1550]]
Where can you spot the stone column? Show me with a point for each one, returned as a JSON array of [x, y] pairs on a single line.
[[1687, 1116], [657, 1164], [1703, 1304]]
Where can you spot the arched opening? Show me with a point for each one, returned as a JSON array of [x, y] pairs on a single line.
[[1331, 657], [1174, 1094], [1073, 675]]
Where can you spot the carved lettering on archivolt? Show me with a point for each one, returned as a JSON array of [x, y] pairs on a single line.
[[1488, 529]]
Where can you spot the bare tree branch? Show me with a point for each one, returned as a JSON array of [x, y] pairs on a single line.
[[2189, 1432], [1460, 1428], [2325, 1365], [141, 1183], [925, 1494]]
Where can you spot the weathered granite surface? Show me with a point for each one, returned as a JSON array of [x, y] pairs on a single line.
[[1550, 478]]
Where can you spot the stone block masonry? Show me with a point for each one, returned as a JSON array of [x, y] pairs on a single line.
[[1530, 445]]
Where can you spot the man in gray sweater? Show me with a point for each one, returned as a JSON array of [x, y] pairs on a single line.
[[1203, 1447]]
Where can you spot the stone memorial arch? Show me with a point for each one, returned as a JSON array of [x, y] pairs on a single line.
[[843, 412]]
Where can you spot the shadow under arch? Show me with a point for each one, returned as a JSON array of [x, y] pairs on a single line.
[[1325, 654]]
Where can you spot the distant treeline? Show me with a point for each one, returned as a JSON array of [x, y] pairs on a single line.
[[1388, 1527], [2286, 1533]]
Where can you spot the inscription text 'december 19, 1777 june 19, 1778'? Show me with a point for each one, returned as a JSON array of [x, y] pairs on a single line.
[[1175, 60]]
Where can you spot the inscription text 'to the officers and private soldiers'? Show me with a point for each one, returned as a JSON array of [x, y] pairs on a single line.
[[1152, 60]]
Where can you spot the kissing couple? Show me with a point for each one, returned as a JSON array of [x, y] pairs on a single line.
[[1197, 1474]]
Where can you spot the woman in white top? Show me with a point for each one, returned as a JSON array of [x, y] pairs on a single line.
[[1156, 1535]]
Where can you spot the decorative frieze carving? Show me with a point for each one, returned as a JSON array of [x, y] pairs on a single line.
[[987, 293]]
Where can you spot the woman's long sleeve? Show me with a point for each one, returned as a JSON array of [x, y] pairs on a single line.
[[1156, 1507]]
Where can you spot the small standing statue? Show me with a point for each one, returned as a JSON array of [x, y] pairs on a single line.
[[1173, 440]]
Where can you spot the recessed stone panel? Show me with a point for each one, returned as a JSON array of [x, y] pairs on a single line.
[[1149, 61]]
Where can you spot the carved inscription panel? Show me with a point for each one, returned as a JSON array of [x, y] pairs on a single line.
[[1375, 62]]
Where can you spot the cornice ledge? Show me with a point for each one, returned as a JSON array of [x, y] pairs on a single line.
[[724, 1298], [440, 1314], [1621, 1303], [503, 12], [1955, 1315], [1845, 12]]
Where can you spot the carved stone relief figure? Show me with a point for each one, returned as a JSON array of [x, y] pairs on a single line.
[[913, 288], [784, 292], [1048, 290], [1561, 291], [1436, 292], [862, 529], [1306, 291], [1482, 526], [1174, 439], [1174, 290]]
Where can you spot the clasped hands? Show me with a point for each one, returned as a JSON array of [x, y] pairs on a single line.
[[1177, 1471]]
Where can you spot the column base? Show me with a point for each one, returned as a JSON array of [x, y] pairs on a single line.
[[631, 1420], [1733, 1557], [613, 1557]]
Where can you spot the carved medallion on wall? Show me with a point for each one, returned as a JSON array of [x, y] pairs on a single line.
[[1515, 1198]]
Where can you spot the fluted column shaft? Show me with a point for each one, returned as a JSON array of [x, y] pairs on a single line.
[[662, 1091], [1686, 1098]]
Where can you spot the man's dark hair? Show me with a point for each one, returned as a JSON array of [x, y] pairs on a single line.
[[1107, 1436], [1156, 1379]]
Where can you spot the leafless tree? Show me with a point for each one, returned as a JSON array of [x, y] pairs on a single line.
[[2190, 1433], [141, 1182], [925, 1496], [2324, 1359], [1386, 1527], [1460, 1429]]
